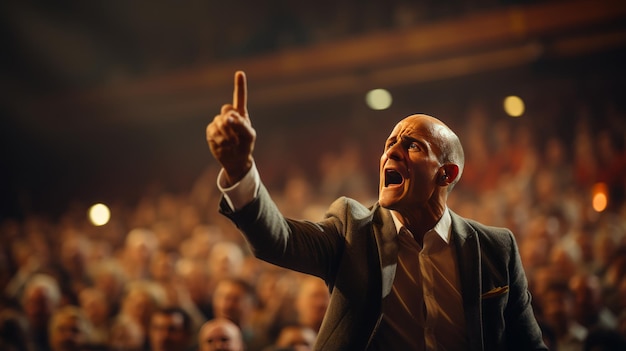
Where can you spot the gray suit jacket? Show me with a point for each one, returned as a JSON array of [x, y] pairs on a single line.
[[354, 249]]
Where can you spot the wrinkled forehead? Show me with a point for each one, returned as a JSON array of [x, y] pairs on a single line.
[[222, 332], [428, 128]]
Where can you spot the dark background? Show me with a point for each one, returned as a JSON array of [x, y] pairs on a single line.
[[104, 100]]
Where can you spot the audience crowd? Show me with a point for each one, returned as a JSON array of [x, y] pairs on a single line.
[[170, 273]]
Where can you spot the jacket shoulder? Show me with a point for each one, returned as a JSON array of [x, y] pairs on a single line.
[[489, 235], [345, 207]]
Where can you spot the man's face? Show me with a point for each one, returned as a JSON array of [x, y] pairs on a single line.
[[296, 338], [220, 336], [410, 162], [66, 334], [38, 307], [312, 302], [230, 301], [94, 304], [167, 332], [162, 265]]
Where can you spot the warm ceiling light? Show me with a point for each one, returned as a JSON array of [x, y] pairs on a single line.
[[378, 99], [514, 106], [99, 214]]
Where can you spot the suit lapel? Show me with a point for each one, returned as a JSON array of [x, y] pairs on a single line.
[[386, 240], [468, 260]]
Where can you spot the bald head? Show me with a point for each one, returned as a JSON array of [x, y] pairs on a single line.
[[220, 334], [445, 142]]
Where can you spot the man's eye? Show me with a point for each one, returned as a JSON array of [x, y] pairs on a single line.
[[390, 144], [414, 146]]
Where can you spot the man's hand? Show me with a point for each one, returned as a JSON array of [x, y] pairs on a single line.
[[230, 135]]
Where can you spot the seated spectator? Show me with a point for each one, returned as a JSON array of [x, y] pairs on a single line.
[[95, 306], [170, 329], [194, 276], [73, 274], [225, 261], [163, 269], [108, 276], [296, 338], [557, 307], [14, 330], [126, 335], [139, 247], [220, 334], [233, 299], [311, 302], [141, 300], [589, 309], [41, 299], [69, 330]]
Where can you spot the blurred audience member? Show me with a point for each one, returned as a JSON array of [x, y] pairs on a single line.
[[41, 299], [311, 302], [108, 276], [141, 300], [170, 330], [225, 261], [558, 313], [234, 300], [140, 245], [14, 331], [27, 264], [220, 334], [70, 330], [126, 335], [73, 271], [95, 306], [295, 338], [589, 309], [194, 275]]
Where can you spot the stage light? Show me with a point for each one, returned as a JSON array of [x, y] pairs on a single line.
[[99, 214], [600, 197], [378, 99], [514, 106]]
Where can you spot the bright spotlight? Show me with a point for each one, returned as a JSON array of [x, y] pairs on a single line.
[[99, 214], [600, 197], [378, 99], [514, 106]]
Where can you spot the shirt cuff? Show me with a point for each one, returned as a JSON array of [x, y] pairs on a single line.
[[243, 192]]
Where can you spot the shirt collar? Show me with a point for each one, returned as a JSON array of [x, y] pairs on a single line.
[[443, 227]]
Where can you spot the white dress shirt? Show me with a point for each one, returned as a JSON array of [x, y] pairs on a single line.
[[424, 310]]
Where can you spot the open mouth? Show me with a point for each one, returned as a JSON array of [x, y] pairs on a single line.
[[392, 177]]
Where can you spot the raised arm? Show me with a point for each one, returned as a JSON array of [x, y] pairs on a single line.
[[231, 136]]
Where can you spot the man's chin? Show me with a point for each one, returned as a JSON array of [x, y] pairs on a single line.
[[386, 202]]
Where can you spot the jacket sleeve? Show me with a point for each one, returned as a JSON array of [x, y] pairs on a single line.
[[304, 246]]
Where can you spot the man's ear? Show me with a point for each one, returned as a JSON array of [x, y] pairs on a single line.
[[449, 173]]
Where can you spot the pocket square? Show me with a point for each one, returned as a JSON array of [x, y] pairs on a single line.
[[496, 292]]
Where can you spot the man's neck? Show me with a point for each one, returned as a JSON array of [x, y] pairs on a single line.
[[419, 223]]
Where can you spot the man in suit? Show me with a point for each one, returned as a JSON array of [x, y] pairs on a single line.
[[405, 274]]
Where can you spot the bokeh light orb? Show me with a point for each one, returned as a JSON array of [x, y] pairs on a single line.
[[378, 99], [514, 106], [99, 214], [600, 197]]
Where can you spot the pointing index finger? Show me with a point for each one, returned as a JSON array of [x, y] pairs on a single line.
[[240, 94]]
